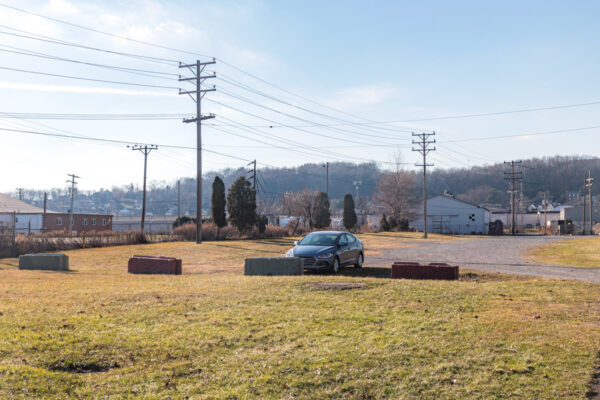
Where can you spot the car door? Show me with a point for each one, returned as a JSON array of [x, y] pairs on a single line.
[[343, 249], [352, 247]]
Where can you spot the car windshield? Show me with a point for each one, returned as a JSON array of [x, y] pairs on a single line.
[[319, 239]]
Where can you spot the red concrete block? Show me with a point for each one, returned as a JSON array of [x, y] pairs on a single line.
[[154, 265], [412, 270]]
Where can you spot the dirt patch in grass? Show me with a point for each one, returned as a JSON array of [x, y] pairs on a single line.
[[337, 285], [594, 392], [81, 366]]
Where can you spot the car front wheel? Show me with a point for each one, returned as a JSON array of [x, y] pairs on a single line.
[[335, 267], [359, 261]]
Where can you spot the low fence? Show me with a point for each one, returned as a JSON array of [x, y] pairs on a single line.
[[12, 245]]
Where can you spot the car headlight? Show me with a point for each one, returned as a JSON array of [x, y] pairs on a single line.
[[290, 253], [325, 255]]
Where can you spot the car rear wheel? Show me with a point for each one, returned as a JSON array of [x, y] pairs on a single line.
[[335, 267], [359, 261]]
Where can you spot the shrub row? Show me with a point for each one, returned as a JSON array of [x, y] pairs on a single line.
[[210, 230]]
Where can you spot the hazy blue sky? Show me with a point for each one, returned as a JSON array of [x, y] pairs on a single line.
[[381, 61]]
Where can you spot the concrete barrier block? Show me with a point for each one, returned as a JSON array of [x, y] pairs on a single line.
[[46, 262], [412, 270], [154, 265], [274, 266]]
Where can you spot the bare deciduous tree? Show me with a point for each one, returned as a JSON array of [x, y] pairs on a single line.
[[396, 191], [300, 204]]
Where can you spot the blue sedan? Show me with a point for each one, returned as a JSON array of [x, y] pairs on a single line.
[[329, 250]]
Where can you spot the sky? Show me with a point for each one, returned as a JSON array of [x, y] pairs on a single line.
[[297, 82]]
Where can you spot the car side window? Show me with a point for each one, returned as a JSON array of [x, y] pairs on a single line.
[[343, 241], [350, 238]]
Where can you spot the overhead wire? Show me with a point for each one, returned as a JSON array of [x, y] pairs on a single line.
[[87, 79]]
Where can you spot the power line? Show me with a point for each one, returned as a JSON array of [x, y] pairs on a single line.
[[228, 93], [95, 139], [48, 39], [289, 126], [288, 141], [136, 71], [99, 31], [93, 117], [87, 79], [260, 93]]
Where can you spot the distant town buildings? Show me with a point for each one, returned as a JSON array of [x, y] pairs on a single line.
[[31, 219]]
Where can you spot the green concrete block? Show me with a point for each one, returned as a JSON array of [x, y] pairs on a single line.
[[46, 262], [274, 266]]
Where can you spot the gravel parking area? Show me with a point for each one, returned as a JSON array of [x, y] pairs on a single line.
[[504, 254]]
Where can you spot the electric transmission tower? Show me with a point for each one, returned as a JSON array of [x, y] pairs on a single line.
[[145, 150], [513, 177], [424, 147], [72, 193], [197, 94]]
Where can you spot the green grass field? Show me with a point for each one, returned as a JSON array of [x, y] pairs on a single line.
[[212, 333], [578, 253]]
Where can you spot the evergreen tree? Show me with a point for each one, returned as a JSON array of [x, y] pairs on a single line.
[[384, 224], [350, 219], [261, 223], [241, 205], [217, 205], [321, 215]]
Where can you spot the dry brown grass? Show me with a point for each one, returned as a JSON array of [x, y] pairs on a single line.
[[98, 332], [578, 253]]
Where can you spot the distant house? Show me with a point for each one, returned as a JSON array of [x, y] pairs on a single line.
[[448, 215], [573, 195]]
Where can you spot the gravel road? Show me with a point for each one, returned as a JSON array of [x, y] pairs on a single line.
[[505, 254]]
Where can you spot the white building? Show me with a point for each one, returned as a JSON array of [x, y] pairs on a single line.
[[27, 218], [448, 215]]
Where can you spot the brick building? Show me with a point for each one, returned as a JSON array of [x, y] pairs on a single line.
[[81, 222]]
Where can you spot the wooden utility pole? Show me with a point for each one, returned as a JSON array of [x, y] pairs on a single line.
[[44, 215], [521, 201], [584, 209], [589, 182], [423, 148], [73, 183], [513, 176], [545, 216], [178, 199], [327, 178], [197, 69], [253, 177], [145, 150]]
